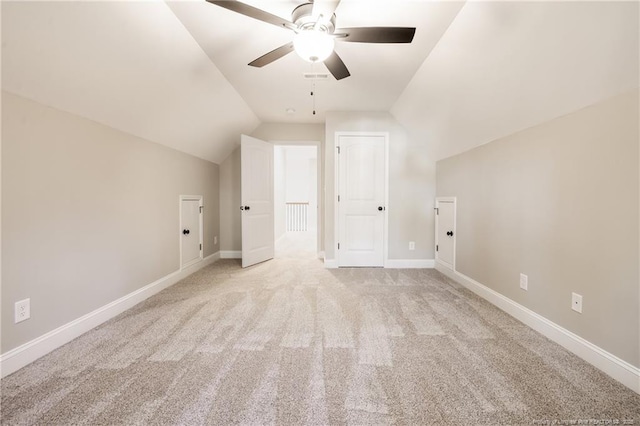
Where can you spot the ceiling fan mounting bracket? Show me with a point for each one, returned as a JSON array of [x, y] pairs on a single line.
[[302, 17]]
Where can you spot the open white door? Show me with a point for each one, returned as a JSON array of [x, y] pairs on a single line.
[[256, 164]]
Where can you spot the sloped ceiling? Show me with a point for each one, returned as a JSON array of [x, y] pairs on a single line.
[[175, 72], [129, 65], [505, 66], [379, 72]]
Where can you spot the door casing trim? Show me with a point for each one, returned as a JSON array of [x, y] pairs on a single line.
[[336, 191]]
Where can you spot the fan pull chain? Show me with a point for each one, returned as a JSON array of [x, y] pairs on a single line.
[[313, 96], [313, 90]]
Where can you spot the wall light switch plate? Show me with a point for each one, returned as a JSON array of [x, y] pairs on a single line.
[[412, 245], [524, 282]]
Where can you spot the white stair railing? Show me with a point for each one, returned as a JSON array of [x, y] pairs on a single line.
[[297, 216]]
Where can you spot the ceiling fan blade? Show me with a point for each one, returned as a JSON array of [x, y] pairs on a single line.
[[253, 12], [336, 67], [326, 8], [275, 54], [376, 34]]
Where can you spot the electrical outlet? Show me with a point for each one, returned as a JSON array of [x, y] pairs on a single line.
[[22, 310], [524, 282], [412, 245], [215, 240], [576, 302]]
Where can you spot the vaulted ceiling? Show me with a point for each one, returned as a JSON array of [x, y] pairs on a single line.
[[176, 72], [379, 72]]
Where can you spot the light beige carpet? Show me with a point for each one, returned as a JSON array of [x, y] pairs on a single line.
[[289, 342]]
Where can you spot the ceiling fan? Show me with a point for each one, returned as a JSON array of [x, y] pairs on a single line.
[[315, 33]]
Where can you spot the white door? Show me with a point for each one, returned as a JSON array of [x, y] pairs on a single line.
[[446, 232], [256, 164], [361, 200], [190, 230]]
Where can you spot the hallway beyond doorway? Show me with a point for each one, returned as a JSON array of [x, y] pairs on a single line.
[[297, 245]]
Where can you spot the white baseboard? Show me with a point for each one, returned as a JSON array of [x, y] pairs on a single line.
[[391, 263], [25, 354], [230, 254], [610, 364], [330, 263], [409, 263]]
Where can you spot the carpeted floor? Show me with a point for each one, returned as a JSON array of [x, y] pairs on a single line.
[[289, 342]]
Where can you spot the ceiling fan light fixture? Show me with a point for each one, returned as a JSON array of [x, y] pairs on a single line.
[[313, 45]]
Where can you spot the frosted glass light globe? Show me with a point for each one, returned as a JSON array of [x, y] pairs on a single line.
[[313, 46]]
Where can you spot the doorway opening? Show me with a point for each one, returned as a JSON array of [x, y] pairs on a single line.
[[296, 219]]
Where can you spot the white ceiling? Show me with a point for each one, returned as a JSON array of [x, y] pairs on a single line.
[[505, 66], [176, 72], [129, 65], [379, 72]]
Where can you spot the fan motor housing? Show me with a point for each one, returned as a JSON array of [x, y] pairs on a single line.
[[303, 17]]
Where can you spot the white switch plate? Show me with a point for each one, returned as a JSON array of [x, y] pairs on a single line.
[[22, 310], [576, 302], [524, 282], [215, 240], [412, 245]]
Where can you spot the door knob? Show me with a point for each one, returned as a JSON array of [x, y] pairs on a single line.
[[185, 232], [450, 233], [380, 208], [245, 208]]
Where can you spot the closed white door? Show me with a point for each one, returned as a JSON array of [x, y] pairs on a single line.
[[361, 205], [446, 232], [190, 230], [258, 240]]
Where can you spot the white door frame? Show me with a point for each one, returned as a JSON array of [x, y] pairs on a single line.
[[198, 198], [455, 233], [336, 192], [319, 192]]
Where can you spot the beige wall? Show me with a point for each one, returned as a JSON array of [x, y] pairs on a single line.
[[289, 132], [558, 202], [230, 223], [411, 184], [279, 191], [89, 215]]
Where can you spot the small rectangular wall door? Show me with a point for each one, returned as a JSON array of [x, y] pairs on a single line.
[[190, 230], [446, 232], [256, 164], [362, 195]]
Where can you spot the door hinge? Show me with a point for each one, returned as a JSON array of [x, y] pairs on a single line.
[[436, 247], [338, 198], [437, 211], [200, 246], [338, 246], [201, 208], [338, 149]]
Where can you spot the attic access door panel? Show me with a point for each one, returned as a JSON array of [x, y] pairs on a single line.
[[256, 169], [190, 230], [446, 232]]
